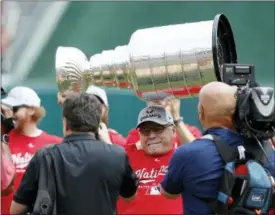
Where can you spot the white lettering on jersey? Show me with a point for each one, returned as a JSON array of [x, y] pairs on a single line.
[[21, 160], [145, 174]]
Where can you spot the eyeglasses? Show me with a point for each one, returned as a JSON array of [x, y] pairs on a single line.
[[155, 129], [16, 108]]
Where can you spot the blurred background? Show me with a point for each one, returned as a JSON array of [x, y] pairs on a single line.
[[32, 31]]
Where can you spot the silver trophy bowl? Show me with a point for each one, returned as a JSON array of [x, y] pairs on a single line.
[[172, 61], [177, 60], [71, 66]]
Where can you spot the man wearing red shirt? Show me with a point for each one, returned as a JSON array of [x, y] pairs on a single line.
[[113, 137], [26, 138], [149, 159], [184, 132]]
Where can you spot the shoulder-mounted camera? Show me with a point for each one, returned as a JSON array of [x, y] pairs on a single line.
[[255, 110]]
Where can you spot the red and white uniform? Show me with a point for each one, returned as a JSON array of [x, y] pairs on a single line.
[[150, 171], [22, 150], [116, 138]]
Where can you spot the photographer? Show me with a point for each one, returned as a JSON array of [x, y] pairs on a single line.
[[7, 167]]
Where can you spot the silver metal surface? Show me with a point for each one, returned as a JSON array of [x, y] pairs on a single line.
[[111, 68], [121, 67], [168, 61], [71, 67], [172, 61]]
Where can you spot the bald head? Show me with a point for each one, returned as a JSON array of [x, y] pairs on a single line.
[[218, 99]]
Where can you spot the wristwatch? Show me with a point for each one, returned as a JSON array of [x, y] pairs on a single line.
[[177, 121]]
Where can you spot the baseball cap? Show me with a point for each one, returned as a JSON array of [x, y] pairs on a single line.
[[22, 96], [99, 92], [156, 114]]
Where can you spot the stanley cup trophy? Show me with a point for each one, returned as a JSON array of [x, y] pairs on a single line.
[[70, 65], [160, 62]]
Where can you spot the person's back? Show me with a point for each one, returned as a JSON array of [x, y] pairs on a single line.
[[83, 175], [196, 168], [89, 175], [205, 169]]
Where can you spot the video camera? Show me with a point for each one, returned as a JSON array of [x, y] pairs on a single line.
[[255, 110]]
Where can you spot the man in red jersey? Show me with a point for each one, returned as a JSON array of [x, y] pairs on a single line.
[[149, 159], [112, 136], [184, 132], [26, 138]]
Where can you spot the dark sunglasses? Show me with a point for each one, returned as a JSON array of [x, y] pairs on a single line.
[[16, 108]]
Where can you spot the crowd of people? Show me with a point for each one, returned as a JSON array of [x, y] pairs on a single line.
[[163, 166]]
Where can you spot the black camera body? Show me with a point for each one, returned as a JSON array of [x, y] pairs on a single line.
[[7, 123], [255, 110]]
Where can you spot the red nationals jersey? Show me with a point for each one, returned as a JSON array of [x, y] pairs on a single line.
[[22, 149], [116, 138], [150, 171]]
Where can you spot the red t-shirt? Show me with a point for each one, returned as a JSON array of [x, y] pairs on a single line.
[[150, 171], [22, 150], [133, 135], [116, 138]]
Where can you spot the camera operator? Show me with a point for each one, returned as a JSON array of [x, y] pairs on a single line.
[[7, 167], [196, 168]]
